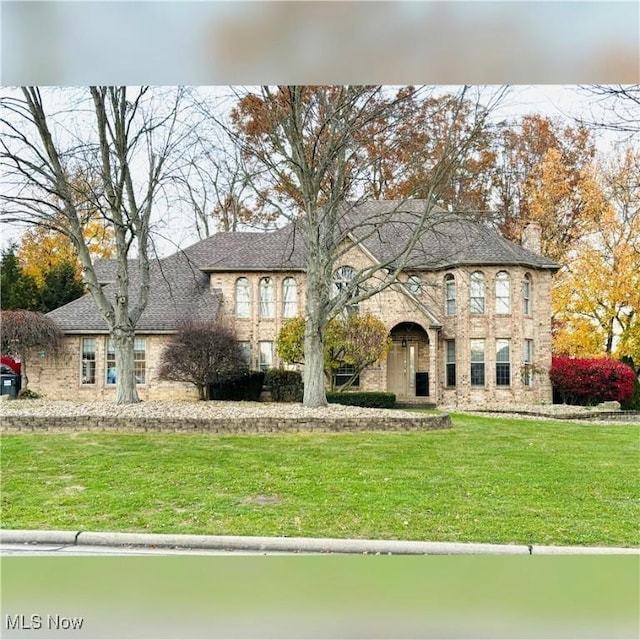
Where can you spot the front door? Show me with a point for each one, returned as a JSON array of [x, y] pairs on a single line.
[[401, 370]]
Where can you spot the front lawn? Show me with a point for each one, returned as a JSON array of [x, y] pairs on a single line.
[[485, 480]]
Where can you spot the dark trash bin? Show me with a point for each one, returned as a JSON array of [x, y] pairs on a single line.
[[9, 384]]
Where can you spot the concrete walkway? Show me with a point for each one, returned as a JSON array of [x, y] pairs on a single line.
[[288, 545]]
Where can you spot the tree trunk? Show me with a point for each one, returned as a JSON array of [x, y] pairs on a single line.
[[126, 392], [202, 391], [314, 392], [24, 380]]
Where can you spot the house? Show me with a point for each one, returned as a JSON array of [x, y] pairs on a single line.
[[469, 317]]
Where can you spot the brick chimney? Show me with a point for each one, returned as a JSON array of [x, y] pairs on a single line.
[[532, 236]]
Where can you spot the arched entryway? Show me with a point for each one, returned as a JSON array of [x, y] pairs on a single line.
[[408, 361]]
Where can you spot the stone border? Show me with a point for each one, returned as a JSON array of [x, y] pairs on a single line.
[[246, 425], [593, 416]]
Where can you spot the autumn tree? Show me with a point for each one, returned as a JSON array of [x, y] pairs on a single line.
[[202, 354], [128, 142], [23, 332], [303, 143], [596, 298], [358, 341], [544, 173]]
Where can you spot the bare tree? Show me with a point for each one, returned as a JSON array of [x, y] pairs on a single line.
[[127, 141], [201, 353], [304, 144], [619, 107]]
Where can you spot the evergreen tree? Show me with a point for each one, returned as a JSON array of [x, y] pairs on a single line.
[[61, 285], [17, 289]]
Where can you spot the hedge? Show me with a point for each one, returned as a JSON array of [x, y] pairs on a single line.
[[284, 385], [240, 385], [588, 381], [376, 399]]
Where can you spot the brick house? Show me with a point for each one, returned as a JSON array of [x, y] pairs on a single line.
[[469, 317]]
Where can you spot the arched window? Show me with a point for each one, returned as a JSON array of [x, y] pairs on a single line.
[[526, 294], [289, 298], [243, 302], [503, 292], [450, 294], [477, 292], [414, 284], [266, 298], [342, 278]]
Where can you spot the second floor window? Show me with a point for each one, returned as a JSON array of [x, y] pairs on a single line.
[[450, 294], [342, 278], [477, 292], [242, 298], [289, 298], [526, 295], [266, 298], [503, 292]]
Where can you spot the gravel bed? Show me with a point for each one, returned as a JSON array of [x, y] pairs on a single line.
[[187, 409]]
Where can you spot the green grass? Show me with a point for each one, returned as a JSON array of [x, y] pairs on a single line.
[[486, 480]]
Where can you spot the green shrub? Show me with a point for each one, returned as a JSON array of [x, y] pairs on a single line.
[[27, 394], [239, 385], [376, 399], [285, 386]]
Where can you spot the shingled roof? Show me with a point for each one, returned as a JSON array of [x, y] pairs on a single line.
[[178, 289], [180, 284]]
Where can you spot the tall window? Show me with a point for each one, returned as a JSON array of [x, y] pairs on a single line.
[[242, 298], [450, 294], [451, 362], [477, 362], [111, 362], [527, 359], [503, 292], [88, 372], [503, 363], [266, 355], [477, 292], [526, 295], [139, 361], [342, 278], [266, 298], [289, 298]]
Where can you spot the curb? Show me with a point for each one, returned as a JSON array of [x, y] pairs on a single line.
[[292, 545]]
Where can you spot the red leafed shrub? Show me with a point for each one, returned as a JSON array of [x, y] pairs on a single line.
[[588, 381]]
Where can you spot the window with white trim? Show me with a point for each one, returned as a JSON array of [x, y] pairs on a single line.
[[527, 360], [139, 361], [243, 300], [265, 349], [342, 278], [245, 349], [477, 292], [289, 298], [266, 298], [503, 363], [477, 362], [414, 284], [88, 361], [526, 295], [450, 362], [450, 294], [503, 292]]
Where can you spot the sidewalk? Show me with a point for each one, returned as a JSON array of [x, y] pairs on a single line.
[[291, 545]]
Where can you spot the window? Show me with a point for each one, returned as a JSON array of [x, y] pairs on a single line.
[[527, 376], [503, 292], [88, 372], [477, 292], [526, 295], [414, 284], [242, 298], [451, 362], [289, 298], [503, 363], [477, 362], [266, 298], [139, 361], [245, 350], [111, 362], [266, 355], [450, 294], [343, 375], [342, 278]]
